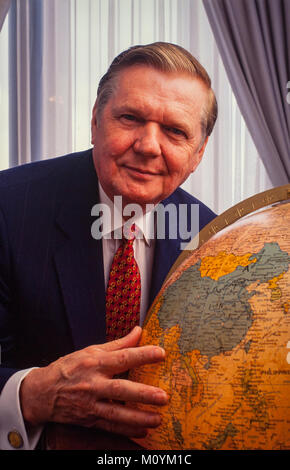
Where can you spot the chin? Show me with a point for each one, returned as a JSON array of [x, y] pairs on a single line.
[[140, 199]]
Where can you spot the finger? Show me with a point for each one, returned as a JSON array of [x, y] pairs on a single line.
[[122, 360], [125, 390], [118, 413], [122, 429], [128, 341]]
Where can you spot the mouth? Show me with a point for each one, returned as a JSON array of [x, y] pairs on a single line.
[[141, 171]]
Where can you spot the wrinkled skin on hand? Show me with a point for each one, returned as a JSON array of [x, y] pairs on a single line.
[[82, 389]]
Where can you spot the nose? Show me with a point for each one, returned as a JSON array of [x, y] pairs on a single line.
[[147, 140]]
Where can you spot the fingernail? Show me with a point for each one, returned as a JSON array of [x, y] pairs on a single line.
[[159, 352], [161, 396], [155, 420]]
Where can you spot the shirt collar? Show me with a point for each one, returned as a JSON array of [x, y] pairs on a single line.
[[113, 220]]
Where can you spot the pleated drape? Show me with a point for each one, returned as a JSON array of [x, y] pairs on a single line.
[[58, 51], [254, 41]]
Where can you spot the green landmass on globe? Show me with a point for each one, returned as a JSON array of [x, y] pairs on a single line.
[[223, 317]]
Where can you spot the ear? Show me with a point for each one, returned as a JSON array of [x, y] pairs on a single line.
[[199, 155], [94, 124]]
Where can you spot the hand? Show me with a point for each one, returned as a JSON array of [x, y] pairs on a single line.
[[80, 388]]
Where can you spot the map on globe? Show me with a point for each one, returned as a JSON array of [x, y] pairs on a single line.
[[223, 317]]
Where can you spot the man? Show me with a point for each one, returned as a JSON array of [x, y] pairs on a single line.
[[153, 115]]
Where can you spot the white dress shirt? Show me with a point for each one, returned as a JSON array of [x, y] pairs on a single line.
[[143, 246], [12, 424], [11, 420]]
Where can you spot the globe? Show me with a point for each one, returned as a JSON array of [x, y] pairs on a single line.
[[223, 317]]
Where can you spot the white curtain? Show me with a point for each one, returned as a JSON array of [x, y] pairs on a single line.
[[79, 40], [4, 116]]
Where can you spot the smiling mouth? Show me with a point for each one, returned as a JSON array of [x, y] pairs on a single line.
[[141, 171]]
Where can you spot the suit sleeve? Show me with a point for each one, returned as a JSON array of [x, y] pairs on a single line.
[[6, 316]]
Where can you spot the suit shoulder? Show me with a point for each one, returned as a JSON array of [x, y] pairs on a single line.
[[180, 196], [206, 215], [35, 171]]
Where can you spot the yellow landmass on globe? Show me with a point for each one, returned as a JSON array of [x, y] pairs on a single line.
[[276, 292], [223, 263]]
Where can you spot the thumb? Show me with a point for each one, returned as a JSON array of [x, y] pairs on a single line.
[[129, 341]]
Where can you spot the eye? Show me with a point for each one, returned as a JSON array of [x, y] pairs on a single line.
[[128, 117], [176, 132]]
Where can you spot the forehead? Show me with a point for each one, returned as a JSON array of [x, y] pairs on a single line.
[[156, 92]]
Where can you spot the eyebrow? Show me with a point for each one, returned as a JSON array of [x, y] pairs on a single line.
[[129, 109]]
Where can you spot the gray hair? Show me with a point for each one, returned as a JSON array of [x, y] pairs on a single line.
[[165, 57]]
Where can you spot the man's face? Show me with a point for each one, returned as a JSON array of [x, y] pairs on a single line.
[[148, 137]]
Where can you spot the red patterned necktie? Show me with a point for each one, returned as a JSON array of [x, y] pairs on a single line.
[[123, 291]]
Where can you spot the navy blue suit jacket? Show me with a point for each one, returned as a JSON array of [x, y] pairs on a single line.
[[52, 295]]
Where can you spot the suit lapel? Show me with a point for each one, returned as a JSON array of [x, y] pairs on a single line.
[[165, 254], [79, 259]]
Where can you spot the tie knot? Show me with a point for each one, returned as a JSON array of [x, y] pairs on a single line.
[[129, 233]]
